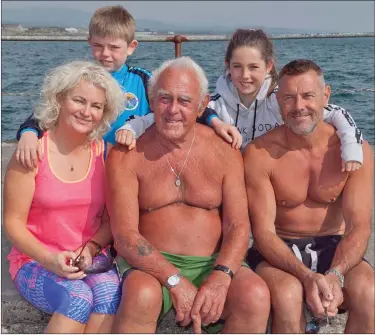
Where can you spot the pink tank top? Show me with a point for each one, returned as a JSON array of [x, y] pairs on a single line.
[[64, 215]]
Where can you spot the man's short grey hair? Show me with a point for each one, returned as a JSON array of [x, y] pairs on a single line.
[[181, 63], [301, 66], [62, 79]]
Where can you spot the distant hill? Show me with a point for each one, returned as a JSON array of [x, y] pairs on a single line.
[[65, 18], [46, 17]]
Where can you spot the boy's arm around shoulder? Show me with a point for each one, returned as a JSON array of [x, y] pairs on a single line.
[[207, 116], [139, 124], [122, 189], [213, 110], [30, 124], [219, 119]]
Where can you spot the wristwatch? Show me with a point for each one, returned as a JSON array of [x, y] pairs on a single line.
[[338, 274], [173, 281], [224, 269]]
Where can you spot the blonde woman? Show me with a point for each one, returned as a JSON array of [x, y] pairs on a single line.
[[59, 224]]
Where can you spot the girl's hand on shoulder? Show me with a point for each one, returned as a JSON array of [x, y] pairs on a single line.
[[233, 132], [228, 132], [350, 166], [61, 264], [29, 150], [126, 137]]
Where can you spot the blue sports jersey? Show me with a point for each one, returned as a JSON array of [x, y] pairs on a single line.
[[133, 81]]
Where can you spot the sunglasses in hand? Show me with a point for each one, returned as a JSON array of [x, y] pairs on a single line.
[[100, 263]]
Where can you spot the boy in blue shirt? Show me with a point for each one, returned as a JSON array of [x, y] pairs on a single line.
[[111, 37]]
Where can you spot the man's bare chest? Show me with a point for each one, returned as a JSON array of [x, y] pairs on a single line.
[[318, 179], [198, 185]]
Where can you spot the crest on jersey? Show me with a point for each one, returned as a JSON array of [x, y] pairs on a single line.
[[131, 101]]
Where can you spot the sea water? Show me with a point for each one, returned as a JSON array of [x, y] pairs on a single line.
[[348, 64]]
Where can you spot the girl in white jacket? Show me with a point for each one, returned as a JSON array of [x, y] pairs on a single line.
[[244, 104]]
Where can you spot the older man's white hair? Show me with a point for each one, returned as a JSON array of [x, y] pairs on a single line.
[[181, 63]]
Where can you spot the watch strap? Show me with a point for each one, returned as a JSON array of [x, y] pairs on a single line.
[[224, 269], [338, 274]]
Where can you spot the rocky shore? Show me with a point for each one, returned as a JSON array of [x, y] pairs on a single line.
[[18, 316]]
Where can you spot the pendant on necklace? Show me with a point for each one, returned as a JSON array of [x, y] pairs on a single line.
[[178, 182]]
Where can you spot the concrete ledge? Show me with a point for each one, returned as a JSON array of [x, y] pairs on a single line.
[[20, 317]]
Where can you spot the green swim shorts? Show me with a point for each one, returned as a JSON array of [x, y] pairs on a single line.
[[195, 268]]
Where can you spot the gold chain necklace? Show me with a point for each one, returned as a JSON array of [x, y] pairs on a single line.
[[178, 180]]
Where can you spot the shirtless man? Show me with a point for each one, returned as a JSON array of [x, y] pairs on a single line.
[[302, 207], [179, 217]]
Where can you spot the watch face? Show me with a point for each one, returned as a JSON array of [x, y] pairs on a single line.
[[173, 280]]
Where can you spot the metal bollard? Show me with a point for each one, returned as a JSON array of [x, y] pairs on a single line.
[[177, 39]]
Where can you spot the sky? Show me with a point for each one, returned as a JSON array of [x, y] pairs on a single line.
[[340, 16]]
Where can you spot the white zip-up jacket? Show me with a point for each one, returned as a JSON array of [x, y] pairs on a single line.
[[262, 116]]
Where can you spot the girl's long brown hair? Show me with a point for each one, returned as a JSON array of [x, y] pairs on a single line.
[[255, 38]]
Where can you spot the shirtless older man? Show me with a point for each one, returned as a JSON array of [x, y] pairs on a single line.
[[179, 217], [311, 222]]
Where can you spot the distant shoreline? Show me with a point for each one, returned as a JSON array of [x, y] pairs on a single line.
[[45, 35]]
